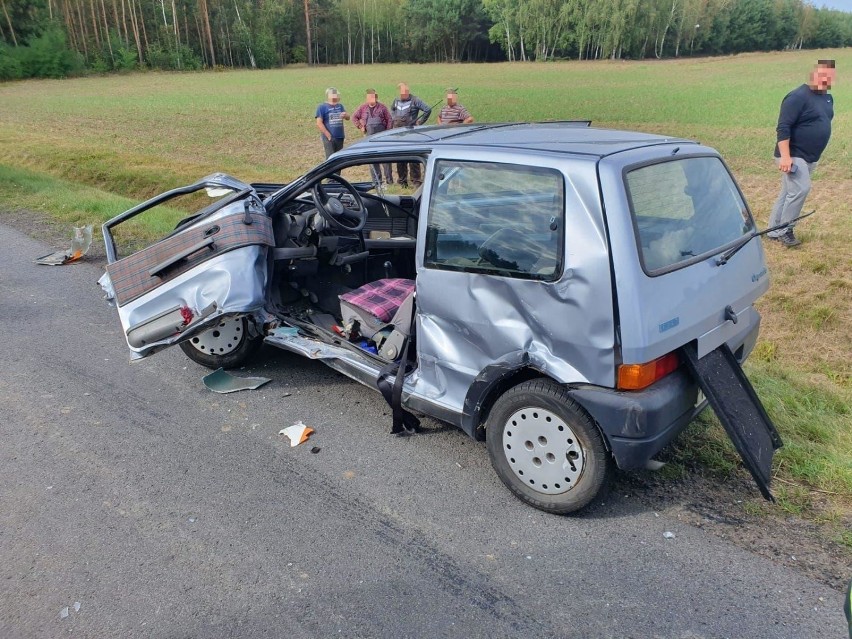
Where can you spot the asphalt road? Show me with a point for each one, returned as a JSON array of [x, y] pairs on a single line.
[[166, 510]]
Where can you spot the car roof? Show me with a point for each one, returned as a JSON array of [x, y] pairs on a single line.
[[576, 137]]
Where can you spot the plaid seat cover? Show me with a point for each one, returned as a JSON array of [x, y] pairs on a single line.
[[130, 277], [381, 298]]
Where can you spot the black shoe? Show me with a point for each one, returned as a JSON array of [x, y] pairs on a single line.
[[789, 240]]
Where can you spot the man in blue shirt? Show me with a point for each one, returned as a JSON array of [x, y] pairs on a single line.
[[804, 128], [330, 116]]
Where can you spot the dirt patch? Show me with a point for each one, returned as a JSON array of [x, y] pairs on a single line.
[[732, 509]]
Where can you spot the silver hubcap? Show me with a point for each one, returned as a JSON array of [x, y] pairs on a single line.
[[543, 451], [222, 339]]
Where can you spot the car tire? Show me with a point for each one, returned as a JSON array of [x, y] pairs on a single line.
[[227, 344], [546, 448]]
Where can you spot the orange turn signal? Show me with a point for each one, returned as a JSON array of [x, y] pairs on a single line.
[[638, 376]]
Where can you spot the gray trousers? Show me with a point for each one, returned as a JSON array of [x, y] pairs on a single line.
[[377, 175], [331, 146], [794, 189]]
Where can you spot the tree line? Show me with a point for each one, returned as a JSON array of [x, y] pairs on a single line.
[[54, 38]]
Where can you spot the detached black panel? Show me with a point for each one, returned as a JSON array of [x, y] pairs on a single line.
[[739, 409]]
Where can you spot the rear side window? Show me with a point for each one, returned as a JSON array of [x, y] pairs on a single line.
[[500, 219], [684, 209]]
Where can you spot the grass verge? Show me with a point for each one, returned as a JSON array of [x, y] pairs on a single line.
[[73, 204], [812, 472]]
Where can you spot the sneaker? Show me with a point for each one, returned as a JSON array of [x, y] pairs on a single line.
[[789, 240]]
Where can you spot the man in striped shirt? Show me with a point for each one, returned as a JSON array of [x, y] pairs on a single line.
[[453, 112]]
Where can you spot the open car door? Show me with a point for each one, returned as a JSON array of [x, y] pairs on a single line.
[[213, 264]]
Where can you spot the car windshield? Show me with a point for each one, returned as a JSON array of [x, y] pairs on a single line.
[[685, 209]]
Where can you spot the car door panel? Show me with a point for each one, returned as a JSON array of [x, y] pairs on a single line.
[[213, 264], [160, 263], [473, 313]]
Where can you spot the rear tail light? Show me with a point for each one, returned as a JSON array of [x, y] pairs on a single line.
[[638, 376]]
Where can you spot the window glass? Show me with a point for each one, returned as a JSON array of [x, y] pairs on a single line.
[[685, 208], [501, 219], [385, 176]]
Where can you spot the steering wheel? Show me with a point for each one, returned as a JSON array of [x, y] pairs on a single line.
[[334, 211]]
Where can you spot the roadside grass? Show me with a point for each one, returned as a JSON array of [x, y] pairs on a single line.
[[73, 204], [84, 150], [845, 538], [812, 472]]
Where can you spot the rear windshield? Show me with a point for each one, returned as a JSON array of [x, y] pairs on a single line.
[[684, 209]]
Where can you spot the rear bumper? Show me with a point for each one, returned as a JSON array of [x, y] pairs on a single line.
[[639, 424]]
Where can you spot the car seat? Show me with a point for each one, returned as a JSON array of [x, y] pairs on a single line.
[[378, 305]]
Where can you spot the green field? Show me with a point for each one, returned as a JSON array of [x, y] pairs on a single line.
[[85, 149]]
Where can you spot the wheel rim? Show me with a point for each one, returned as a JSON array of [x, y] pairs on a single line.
[[222, 339], [543, 451]]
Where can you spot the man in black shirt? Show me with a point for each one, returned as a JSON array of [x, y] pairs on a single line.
[[804, 127]]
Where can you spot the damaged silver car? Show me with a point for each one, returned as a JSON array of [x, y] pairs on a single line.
[[573, 296]]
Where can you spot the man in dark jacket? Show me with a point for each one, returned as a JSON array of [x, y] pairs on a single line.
[[804, 128], [409, 110], [374, 117]]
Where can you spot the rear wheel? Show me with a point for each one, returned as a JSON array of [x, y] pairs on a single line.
[[545, 447], [227, 344]]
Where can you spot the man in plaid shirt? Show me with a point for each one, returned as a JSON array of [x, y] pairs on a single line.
[[373, 117], [453, 112]]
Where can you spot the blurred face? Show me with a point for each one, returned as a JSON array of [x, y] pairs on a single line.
[[452, 98], [822, 78], [372, 98], [404, 93], [333, 98]]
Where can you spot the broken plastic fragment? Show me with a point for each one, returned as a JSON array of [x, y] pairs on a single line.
[[76, 606], [285, 331], [63, 613], [298, 433], [79, 247], [669, 535], [220, 381]]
